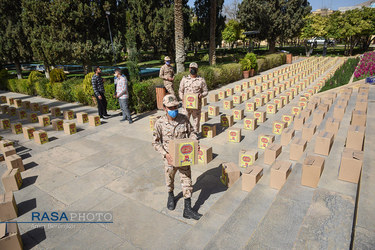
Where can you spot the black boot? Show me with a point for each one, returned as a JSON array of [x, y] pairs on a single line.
[[170, 203], [189, 213]]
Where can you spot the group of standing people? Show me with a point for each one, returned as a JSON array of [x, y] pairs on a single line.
[[121, 93], [174, 125]]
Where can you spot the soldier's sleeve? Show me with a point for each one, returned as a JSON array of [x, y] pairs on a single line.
[[161, 74], [181, 89], [204, 88], [158, 139], [191, 132]]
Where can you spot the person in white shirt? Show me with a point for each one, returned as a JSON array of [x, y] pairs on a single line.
[[123, 95]]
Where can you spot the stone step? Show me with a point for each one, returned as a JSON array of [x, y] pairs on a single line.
[[299, 213], [364, 237]]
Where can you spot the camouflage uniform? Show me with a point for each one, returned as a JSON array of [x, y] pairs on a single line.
[[165, 73], [166, 130], [190, 85]]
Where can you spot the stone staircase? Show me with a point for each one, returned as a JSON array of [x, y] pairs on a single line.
[[295, 217]]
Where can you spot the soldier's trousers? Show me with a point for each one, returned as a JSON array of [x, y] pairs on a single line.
[[196, 113], [169, 87], [185, 179]]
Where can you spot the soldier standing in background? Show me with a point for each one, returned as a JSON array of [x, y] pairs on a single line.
[[193, 84], [167, 74], [172, 126]]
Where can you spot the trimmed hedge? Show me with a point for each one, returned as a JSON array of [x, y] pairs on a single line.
[[142, 94]]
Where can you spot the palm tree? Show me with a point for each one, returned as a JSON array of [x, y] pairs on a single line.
[[179, 36], [212, 32]]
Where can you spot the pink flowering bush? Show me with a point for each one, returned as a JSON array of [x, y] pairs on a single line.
[[366, 66]]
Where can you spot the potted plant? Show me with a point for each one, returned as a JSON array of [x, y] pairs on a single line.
[[245, 66], [249, 65]]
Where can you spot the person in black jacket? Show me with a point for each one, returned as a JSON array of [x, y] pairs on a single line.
[[98, 86]]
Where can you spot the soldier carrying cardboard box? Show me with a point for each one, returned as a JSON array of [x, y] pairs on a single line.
[[169, 127], [193, 84]]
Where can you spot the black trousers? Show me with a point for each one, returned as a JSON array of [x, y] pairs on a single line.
[[102, 105]]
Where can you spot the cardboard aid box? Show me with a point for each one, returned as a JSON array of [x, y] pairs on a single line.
[[318, 117], [213, 110], [226, 120], [4, 144], [237, 99], [247, 158], [229, 174], [312, 169], [34, 106], [265, 140], [213, 98], [244, 96], [250, 123], [323, 107], [4, 123], [55, 111], [250, 106], [204, 117], [10, 236], [297, 147], [361, 105], [259, 101], [68, 114], [332, 125], [351, 165], [306, 113], [32, 117], [222, 94], [227, 104], [82, 117], [3, 99], [234, 134], [184, 152], [251, 92], [238, 88], [271, 108], [204, 154], [338, 112], [260, 116], [28, 132], [229, 91], [323, 143], [57, 124], [296, 110], [14, 161], [251, 177], [70, 128], [279, 103], [12, 111], [279, 174], [287, 136], [21, 114], [4, 109], [16, 128], [204, 101], [10, 100], [359, 118], [208, 130], [94, 120], [355, 137], [191, 101], [288, 119], [271, 153], [40, 137], [278, 127], [18, 103], [238, 114], [8, 207], [12, 180], [299, 122], [44, 120], [9, 150], [44, 109]]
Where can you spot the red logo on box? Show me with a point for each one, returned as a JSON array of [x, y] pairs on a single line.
[[277, 126], [187, 149], [264, 140], [246, 159], [233, 133], [191, 98]]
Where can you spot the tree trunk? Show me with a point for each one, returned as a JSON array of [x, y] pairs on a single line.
[[46, 70], [179, 36], [212, 32], [18, 68], [272, 45], [86, 68]]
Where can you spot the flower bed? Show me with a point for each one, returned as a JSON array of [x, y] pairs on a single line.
[[366, 66]]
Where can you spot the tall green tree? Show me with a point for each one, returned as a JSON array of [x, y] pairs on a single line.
[[274, 19], [232, 32], [13, 43]]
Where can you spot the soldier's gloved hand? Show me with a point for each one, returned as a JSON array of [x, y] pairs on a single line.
[[169, 159]]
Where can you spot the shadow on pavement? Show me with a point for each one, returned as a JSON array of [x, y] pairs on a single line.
[[26, 206], [33, 237]]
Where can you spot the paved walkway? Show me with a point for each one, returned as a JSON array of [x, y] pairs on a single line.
[[113, 167]]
